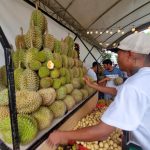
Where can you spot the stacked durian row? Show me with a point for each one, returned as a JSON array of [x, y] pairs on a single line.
[[48, 80]]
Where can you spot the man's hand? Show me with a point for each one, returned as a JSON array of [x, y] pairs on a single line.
[[87, 80], [56, 138]]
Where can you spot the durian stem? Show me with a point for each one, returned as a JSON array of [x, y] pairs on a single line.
[[21, 29], [37, 4]]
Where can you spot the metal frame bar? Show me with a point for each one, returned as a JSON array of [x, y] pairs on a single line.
[[123, 18], [11, 90], [104, 13], [127, 25], [140, 28], [88, 54]]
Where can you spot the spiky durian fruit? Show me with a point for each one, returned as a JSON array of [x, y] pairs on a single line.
[[38, 19], [62, 71], [57, 46], [49, 54], [69, 40], [76, 62], [118, 81], [33, 38], [64, 61], [19, 40], [71, 73], [41, 56], [80, 63], [27, 127], [81, 74], [77, 95], [63, 80], [17, 77], [48, 41], [64, 47], [48, 96], [84, 69], [57, 60], [76, 72], [70, 62], [55, 73], [69, 101], [58, 108], [46, 82], [43, 72], [84, 93], [44, 117], [29, 80], [2, 87], [76, 83], [69, 88], [3, 75], [27, 101], [56, 83], [35, 65], [68, 77], [4, 112], [30, 55], [61, 93], [89, 89], [4, 97], [18, 58]]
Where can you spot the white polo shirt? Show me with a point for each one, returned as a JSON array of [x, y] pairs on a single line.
[[131, 108], [92, 74]]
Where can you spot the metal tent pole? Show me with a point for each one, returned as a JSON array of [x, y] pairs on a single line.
[[11, 90]]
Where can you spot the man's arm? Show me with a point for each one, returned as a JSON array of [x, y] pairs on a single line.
[[94, 133]]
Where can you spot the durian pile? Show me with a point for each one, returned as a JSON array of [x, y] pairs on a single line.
[[113, 142], [48, 80]]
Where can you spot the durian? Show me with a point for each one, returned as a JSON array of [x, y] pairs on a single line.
[[44, 117], [118, 81], [29, 80], [56, 83], [57, 46], [58, 108], [4, 112], [61, 93], [41, 56], [69, 101], [69, 88], [43, 72], [48, 96], [27, 101], [34, 65], [77, 95], [27, 127], [4, 97], [46, 82], [55, 73]]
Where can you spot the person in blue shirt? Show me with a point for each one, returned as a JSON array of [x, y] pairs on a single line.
[[110, 70]]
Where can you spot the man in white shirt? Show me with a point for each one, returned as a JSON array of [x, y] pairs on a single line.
[[130, 109], [92, 71]]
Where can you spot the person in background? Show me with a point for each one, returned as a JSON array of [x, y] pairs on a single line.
[[130, 109], [110, 70], [92, 72]]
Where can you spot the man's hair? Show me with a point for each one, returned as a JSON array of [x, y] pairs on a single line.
[[95, 64], [107, 61]]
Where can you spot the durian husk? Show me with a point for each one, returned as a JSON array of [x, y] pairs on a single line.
[[20, 41], [29, 80], [27, 101]]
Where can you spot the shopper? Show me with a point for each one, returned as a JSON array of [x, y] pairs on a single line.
[[92, 72], [131, 108], [110, 70]]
